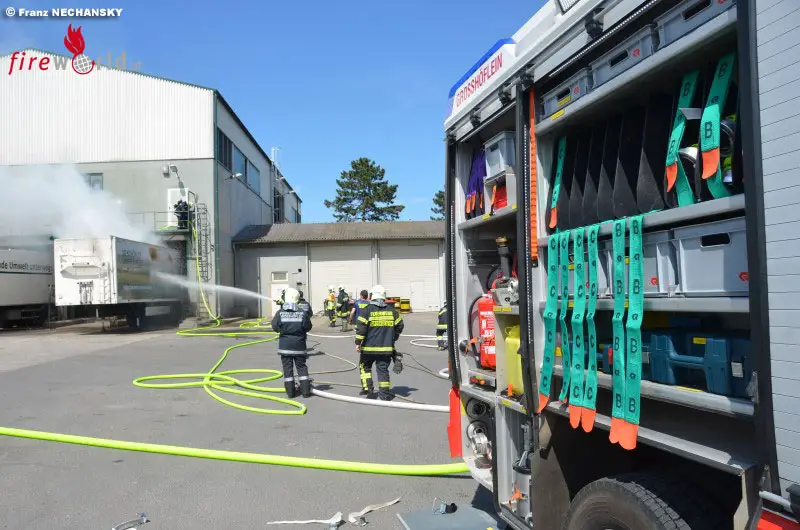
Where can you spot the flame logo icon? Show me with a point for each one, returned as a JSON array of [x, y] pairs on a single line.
[[74, 42]]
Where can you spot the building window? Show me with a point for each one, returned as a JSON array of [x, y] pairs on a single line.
[[224, 150], [295, 216], [254, 177], [277, 206], [280, 277], [239, 163], [94, 180]]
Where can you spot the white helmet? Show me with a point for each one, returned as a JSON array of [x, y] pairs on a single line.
[[341, 287], [378, 292], [291, 296], [330, 288]]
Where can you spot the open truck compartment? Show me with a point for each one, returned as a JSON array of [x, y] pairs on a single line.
[[601, 292]]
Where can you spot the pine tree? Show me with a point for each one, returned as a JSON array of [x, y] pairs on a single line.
[[438, 206], [363, 194]]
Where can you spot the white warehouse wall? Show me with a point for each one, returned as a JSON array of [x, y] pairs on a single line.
[[58, 116], [239, 205]]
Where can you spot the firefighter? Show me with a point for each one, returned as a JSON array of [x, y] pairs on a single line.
[[182, 212], [304, 305], [343, 306], [379, 327], [293, 324], [441, 328], [280, 300], [359, 306], [330, 307]]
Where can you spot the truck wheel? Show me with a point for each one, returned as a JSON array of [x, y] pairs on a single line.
[[638, 501]]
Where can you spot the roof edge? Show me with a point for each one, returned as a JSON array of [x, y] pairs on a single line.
[[133, 72]]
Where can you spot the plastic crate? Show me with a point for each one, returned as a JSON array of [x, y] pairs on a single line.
[[568, 92], [713, 259], [688, 16], [603, 274], [630, 52], [660, 263], [500, 190], [500, 153], [719, 364]]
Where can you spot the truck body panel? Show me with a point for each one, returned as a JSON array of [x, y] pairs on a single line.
[[112, 270], [26, 283], [719, 379], [777, 47]]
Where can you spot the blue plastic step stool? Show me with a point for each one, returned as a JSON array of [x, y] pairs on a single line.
[[720, 364]]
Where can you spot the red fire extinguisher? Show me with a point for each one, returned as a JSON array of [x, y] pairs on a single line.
[[486, 332]]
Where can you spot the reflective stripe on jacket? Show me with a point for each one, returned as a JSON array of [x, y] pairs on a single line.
[[378, 328], [442, 318]]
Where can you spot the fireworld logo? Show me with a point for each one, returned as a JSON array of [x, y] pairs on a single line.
[[81, 64]]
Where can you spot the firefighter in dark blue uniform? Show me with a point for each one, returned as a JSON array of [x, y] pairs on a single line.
[[293, 324], [343, 306], [441, 328], [358, 308], [378, 328], [304, 305]]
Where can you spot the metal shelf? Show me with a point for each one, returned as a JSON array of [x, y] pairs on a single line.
[[673, 216], [501, 310], [710, 304], [723, 443], [473, 391], [512, 404], [661, 60], [728, 406], [477, 222]]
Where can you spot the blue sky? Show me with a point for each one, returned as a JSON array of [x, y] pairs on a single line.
[[326, 81]]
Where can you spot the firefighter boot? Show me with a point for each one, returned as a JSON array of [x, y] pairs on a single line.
[[367, 386], [291, 390], [305, 387]]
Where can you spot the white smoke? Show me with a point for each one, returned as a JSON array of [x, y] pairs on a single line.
[[57, 201]]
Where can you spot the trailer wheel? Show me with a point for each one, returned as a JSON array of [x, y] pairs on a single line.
[[638, 501]]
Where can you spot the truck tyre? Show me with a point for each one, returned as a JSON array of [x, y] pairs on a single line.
[[639, 501]]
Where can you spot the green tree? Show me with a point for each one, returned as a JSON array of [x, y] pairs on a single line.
[[438, 206], [363, 194]]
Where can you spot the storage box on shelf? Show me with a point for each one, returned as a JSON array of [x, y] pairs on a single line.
[[660, 265], [500, 190], [713, 258], [626, 55], [688, 16], [567, 92], [500, 153]]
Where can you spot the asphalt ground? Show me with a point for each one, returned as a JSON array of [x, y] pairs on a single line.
[[77, 380]]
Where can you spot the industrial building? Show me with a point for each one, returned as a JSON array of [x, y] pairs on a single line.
[[150, 142], [405, 257]]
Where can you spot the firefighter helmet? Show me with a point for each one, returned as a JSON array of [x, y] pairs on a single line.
[[291, 296], [378, 292]]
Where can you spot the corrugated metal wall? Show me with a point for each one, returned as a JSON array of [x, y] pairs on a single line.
[[778, 41], [58, 116]]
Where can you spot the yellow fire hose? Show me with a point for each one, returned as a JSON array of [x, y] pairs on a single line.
[[225, 381]]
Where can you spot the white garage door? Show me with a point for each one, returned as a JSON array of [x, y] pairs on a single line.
[[411, 269], [349, 264]]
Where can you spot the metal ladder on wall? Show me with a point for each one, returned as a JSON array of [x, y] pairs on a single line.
[[202, 254]]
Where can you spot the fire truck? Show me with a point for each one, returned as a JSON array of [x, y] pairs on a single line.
[[623, 279]]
